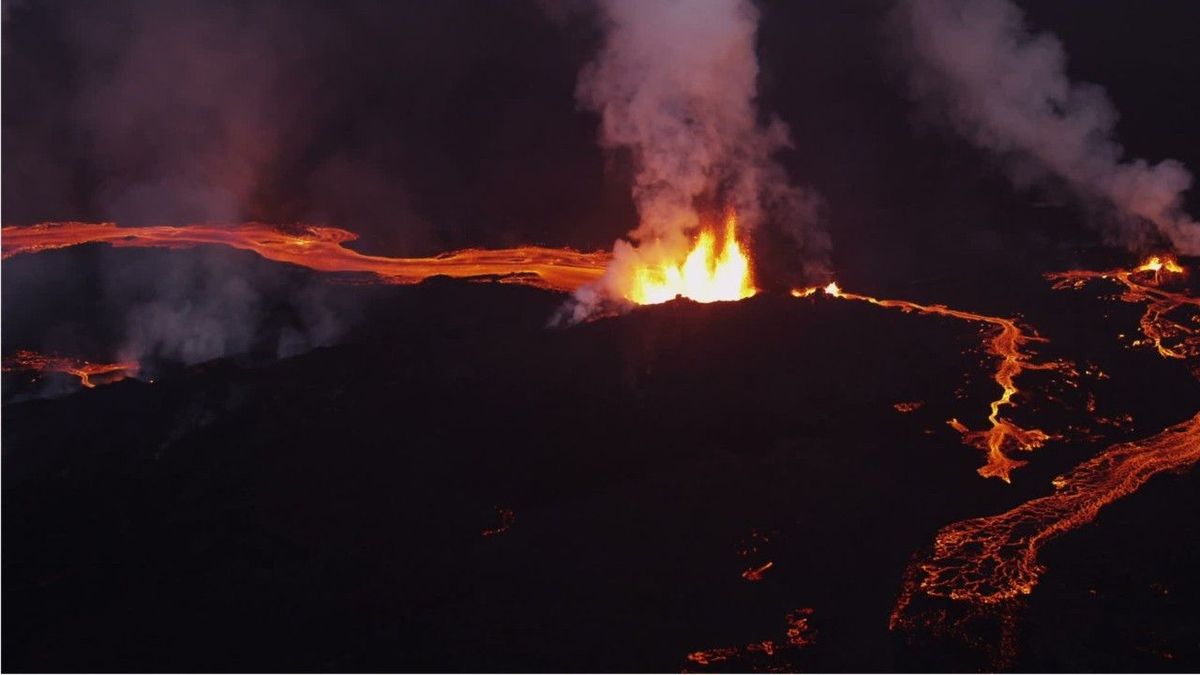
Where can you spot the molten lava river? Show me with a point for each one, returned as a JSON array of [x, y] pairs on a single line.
[[983, 564]]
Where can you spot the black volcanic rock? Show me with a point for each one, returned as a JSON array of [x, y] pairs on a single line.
[[327, 511]]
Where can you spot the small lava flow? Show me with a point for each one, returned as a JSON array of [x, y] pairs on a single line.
[[1146, 284], [1007, 344], [89, 374], [767, 655], [506, 518]]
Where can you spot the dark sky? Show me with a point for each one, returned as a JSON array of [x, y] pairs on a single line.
[[434, 125]]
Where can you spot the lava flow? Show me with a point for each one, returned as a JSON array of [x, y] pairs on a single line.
[[799, 634], [323, 249], [89, 374], [992, 559], [1142, 284], [1006, 344], [707, 274]]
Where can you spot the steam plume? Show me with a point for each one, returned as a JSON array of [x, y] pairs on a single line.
[[1006, 89], [675, 85]]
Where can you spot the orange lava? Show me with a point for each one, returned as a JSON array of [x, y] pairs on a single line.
[[89, 374], [908, 406], [1007, 345], [709, 656], [1173, 340], [992, 559], [705, 274], [798, 634], [756, 573], [323, 249]]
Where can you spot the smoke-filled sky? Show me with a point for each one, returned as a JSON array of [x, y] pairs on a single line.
[[428, 126]]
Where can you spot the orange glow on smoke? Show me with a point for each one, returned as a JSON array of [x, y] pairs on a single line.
[[89, 374], [708, 273], [1007, 345], [1172, 339], [323, 249]]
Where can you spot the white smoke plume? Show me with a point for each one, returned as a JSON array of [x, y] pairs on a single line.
[[1006, 89], [675, 85]]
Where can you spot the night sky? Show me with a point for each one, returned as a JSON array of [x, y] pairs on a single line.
[[433, 126]]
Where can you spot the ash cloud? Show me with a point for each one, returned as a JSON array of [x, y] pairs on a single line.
[[675, 85], [1005, 88]]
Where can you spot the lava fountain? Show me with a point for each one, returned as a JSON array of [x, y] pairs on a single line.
[[708, 272]]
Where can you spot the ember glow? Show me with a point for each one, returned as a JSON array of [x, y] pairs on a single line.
[[1007, 345], [323, 249], [89, 374], [756, 573], [708, 273], [798, 634], [1144, 284], [992, 559], [506, 518]]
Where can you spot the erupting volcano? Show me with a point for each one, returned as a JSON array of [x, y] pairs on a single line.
[[709, 272], [715, 371]]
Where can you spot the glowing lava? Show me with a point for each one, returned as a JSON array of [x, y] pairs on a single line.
[[1007, 345], [992, 559], [756, 573], [1156, 265], [1172, 339], [323, 249], [89, 374], [798, 634], [707, 273]]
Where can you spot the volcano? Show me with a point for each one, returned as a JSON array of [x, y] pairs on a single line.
[[600, 336], [457, 486]]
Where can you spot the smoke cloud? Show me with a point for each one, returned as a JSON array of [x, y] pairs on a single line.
[[675, 85], [1006, 89], [208, 304]]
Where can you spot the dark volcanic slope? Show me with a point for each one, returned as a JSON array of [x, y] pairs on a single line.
[[326, 511]]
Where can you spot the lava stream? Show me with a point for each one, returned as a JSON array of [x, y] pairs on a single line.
[[1142, 284], [89, 374], [991, 559], [1006, 344], [323, 249]]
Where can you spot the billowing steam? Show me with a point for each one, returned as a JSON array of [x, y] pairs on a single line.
[[1006, 89], [675, 85]]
